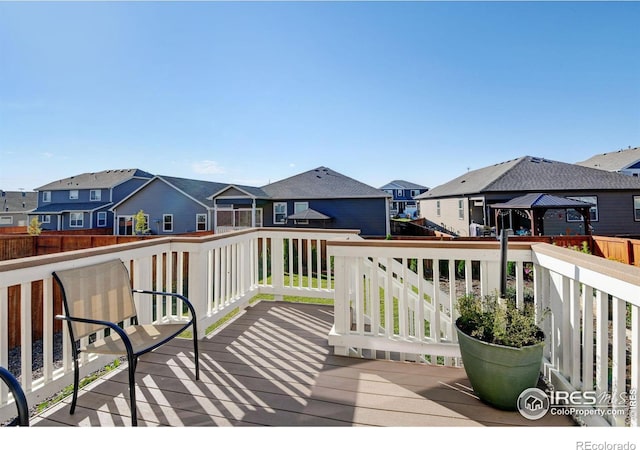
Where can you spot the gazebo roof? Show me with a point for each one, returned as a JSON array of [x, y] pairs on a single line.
[[542, 201]]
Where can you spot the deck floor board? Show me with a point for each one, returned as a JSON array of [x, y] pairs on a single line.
[[272, 366]]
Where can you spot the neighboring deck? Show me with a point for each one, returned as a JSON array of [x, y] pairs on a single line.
[[272, 366]]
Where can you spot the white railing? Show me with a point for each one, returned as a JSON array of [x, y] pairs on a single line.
[[393, 299], [217, 273], [397, 300], [594, 331]]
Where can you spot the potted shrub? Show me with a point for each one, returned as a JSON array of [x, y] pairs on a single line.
[[501, 347]]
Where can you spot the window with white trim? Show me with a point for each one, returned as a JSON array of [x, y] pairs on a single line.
[[95, 195], [438, 211], [461, 209], [46, 196], [167, 222], [102, 219], [415, 192], [73, 194], [280, 212], [636, 208], [575, 216], [299, 207], [6, 220], [45, 218], [76, 220], [201, 222]]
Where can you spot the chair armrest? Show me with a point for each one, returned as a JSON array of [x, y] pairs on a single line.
[[115, 327], [171, 294]]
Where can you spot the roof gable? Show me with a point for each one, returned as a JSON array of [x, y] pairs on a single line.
[[402, 184], [320, 183], [613, 161]]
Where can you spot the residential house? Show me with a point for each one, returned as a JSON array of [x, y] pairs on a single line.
[[173, 205], [324, 198], [466, 201], [404, 194], [15, 206], [319, 198], [83, 201], [626, 161]]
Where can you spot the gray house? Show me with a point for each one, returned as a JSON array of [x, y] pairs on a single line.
[[465, 203], [15, 207], [626, 161], [83, 201]]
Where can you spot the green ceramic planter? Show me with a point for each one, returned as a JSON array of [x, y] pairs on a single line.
[[499, 374]]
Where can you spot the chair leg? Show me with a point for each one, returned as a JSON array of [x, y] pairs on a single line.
[[195, 351], [76, 384], [132, 390]]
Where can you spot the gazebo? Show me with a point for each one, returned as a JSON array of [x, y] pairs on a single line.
[[535, 205]]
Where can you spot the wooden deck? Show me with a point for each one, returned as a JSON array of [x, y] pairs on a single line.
[[272, 366]]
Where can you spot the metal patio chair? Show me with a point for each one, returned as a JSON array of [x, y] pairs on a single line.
[[99, 297]]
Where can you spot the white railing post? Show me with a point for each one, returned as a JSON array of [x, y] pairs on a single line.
[[198, 282], [277, 263], [342, 319]]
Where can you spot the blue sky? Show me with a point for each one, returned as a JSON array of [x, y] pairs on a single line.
[[253, 92]]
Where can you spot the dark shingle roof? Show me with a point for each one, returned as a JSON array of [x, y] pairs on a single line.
[[56, 208], [202, 190], [402, 184], [17, 201], [96, 180], [613, 161], [532, 174], [321, 183], [308, 214]]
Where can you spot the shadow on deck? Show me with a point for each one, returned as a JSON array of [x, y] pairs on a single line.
[[272, 366]]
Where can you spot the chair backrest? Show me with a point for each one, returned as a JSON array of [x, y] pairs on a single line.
[[100, 291]]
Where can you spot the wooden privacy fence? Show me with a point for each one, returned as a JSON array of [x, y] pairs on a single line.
[[618, 249]]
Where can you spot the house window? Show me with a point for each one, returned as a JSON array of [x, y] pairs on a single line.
[[461, 209], [73, 195], [102, 219], [575, 216], [6, 220], [201, 222], [299, 207], [279, 212], [76, 220], [167, 222], [45, 219], [46, 196], [399, 193], [95, 195], [414, 192], [636, 207], [438, 208]]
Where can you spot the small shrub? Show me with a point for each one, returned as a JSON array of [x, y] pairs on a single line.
[[498, 321]]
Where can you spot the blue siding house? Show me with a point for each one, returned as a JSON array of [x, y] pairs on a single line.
[[319, 198], [404, 194], [324, 198], [83, 201], [173, 205]]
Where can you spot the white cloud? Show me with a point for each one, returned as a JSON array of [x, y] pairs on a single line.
[[47, 154], [207, 167]]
